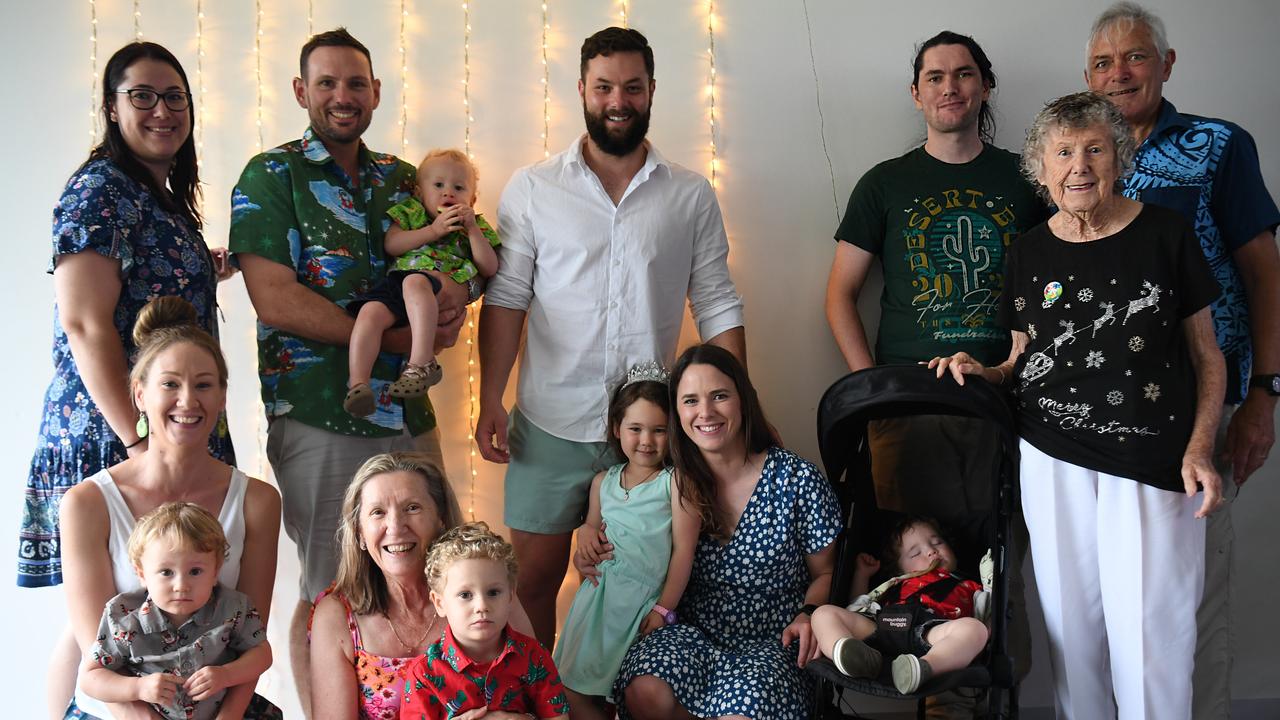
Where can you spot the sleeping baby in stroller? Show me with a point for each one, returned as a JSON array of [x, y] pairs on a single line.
[[928, 619]]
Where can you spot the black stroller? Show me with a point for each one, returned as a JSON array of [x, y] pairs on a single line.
[[897, 391]]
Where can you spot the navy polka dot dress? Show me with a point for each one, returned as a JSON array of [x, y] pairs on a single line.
[[725, 656]]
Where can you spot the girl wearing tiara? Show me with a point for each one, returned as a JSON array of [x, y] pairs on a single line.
[[651, 538]]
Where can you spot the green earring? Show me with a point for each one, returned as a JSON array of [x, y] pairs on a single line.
[[141, 427]]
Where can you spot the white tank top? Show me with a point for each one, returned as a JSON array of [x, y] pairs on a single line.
[[231, 517]]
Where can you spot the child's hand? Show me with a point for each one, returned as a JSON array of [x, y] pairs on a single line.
[[468, 217], [448, 220], [652, 621], [206, 681], [159, 688], [867, 563]]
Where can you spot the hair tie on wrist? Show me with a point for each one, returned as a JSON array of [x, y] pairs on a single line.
[[135, 443], [998, 370]]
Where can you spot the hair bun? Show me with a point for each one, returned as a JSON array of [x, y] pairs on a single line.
[[163, 312]]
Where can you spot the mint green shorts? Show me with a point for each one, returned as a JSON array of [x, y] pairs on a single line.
[[548, 478]]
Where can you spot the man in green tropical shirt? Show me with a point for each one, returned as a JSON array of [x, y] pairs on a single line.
[[307, 225]]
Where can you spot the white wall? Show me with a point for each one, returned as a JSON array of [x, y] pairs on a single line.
[[774, 184]]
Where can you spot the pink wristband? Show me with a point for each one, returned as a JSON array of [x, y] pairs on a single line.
[[668, 616]]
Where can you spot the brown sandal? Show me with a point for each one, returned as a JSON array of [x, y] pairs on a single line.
[[360, 401], [415, 380]]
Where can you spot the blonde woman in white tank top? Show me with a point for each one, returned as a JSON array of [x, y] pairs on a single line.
[[179, 383]]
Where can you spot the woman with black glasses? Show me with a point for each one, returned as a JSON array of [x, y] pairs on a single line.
[[126, 230]]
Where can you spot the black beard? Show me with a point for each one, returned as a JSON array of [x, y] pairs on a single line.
[[617, 145]]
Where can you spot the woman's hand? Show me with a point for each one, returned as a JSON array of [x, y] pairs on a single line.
[[1197, 472], [222, 265], [960, 364], [593, 548], [799, 629]]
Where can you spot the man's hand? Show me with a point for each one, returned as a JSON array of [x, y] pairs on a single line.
[[452, 303], [491, 433], [1250, 435], [160, 688]]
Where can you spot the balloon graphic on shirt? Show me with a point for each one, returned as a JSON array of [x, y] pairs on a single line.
[[1052, 291]]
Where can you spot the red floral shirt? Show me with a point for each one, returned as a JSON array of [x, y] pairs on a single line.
[[444, 682]]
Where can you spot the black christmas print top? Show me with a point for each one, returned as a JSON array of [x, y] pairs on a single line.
[[1106, 381]]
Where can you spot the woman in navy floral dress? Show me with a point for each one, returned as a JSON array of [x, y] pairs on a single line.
[[769, 522], [126, 230], [120, 238]]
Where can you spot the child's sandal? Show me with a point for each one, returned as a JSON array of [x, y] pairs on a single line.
[[415, 380], [360, 401]]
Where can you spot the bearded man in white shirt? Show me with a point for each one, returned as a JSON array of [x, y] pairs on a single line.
[[602, 243]]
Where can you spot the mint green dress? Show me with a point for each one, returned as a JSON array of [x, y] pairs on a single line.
[[605, 619]]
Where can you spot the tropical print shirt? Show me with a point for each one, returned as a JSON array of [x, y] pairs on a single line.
[[295, 206], [444, 682]]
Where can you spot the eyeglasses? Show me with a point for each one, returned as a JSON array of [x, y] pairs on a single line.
[[145, 99]]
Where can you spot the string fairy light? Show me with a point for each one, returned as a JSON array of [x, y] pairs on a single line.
[[404, 83], [94, 119], [711, 87], [466, 77], [622, 14], [137, 20], [200, 88], [257, 65], [473, 403], [546, 85]]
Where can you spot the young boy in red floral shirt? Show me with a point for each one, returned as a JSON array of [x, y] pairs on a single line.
[[480, 662]]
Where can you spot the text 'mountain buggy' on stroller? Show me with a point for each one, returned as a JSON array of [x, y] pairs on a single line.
[[894, 391]]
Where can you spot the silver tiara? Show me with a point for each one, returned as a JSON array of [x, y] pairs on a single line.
[[646, 372]]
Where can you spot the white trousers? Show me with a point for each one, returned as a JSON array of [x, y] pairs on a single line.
[[1120, 568]]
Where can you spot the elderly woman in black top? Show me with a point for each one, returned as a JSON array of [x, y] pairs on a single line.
[[1120, 386]]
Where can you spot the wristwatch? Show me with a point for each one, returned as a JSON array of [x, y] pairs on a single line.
[[668, 616], [1269, 383]]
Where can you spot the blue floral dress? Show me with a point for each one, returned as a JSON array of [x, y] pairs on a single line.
[[724, 657], [160, 253]]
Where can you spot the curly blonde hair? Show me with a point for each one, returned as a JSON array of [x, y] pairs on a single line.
[[358, 578], [185, 525], [471, 541]]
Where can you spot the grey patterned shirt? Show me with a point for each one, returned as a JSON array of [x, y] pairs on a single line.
[[136, 638]]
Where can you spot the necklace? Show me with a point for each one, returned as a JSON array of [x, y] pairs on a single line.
[[626, 491], [421, 638]]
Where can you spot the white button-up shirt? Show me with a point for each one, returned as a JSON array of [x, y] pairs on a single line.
[[604, 286]]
